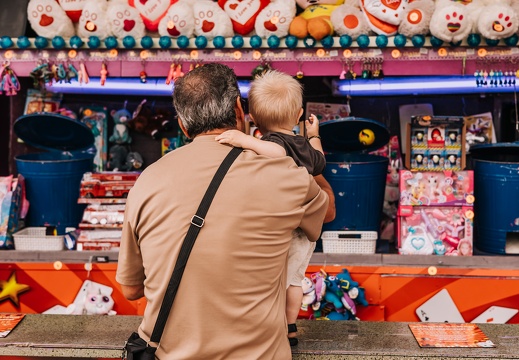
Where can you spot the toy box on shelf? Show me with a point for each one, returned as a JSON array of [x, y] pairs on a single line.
[[105, 195], [13, 208], [446, 188], [436, 143], [427, 230]]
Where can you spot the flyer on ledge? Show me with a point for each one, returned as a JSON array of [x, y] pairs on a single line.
[[450, 335], [8, 322]]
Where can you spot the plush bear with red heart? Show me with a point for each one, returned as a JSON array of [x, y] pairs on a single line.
[[179, 20], [348, 19], [125, 20], [94, 20], [275, 19], [152, 11], [243, 13], [211, 20], [48, 19]]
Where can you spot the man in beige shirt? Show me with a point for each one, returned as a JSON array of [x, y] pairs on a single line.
[[231, 300]]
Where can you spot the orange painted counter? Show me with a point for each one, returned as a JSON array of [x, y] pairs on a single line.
[[395, 284]]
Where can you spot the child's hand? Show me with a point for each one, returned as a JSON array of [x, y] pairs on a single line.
[[312, 126], [233, 137]]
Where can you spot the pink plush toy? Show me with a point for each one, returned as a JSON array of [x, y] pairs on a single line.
[[275, 19], [48, 19], [179, 20], [94, 20], [211, 20], [125, 20]]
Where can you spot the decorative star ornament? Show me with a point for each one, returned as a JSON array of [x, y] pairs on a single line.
[[10, 289]]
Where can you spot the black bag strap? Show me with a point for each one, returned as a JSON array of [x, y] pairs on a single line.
[[197, 221]]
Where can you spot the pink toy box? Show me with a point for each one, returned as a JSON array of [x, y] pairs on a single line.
[[428, 230], [431, 188]]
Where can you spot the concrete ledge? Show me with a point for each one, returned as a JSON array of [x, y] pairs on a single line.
[[90, 336]]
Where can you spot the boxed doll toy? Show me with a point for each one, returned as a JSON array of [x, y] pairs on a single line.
[[427, 230], [446, 188], [436, 143]]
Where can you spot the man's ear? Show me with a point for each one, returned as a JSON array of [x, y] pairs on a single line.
[[181, 125], [240, 115]]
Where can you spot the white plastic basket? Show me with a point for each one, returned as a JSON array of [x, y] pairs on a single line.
[[34, 239], [349, 242]]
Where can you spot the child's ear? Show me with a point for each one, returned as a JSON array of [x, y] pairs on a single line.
[[299, 116]]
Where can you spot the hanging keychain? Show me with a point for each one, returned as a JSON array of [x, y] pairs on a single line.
[[82, 73], [9, 84], [104, 74], [171, 73], [143, 74]]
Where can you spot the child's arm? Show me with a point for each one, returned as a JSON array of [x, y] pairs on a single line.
[[240, 139], [312, 131]]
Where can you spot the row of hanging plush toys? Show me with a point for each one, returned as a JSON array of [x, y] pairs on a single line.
[[446, 20], [332, 297]]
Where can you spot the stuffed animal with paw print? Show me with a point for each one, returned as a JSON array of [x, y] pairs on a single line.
[[211, 20], [407, 17], [348, 19], [243, 14], [315, 20], [125, 20], [179, 20], [94, 20], [498, 19], [453, 21], [275, 19], [48, 19]]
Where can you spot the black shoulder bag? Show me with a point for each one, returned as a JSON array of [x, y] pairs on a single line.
[[137, 348]]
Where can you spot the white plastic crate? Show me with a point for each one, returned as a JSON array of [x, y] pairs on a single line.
[[34, 239], [349, 242]]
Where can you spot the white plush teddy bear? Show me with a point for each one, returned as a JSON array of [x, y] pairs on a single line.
[[94, 20], [179, 20], [125, 20], [384, 17], [453, 21], [48, 19], [417, 18], [211, 20], [275, 18], [349, 20], [497, 19]]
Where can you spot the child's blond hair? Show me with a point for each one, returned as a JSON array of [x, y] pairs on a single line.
[[275, 99]]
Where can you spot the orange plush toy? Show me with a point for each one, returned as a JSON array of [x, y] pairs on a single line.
[[315, 19]]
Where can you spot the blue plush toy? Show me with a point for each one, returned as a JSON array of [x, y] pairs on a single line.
[[121, 133], [333, 292], [346, 280]]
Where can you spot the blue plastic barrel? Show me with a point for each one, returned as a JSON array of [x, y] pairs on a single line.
[[358, 182], [52, 183], [496, 189], [53, 178]]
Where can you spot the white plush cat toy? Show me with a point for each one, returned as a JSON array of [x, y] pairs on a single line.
[[125, 20], [275, 18], [48, 19], [95, 302], [94, 20], [211, 20], [179, 20]]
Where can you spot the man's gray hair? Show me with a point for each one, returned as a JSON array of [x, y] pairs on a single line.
[[205, 98]]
